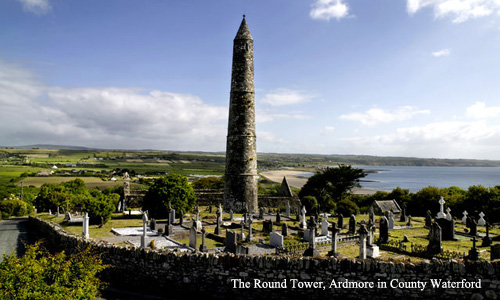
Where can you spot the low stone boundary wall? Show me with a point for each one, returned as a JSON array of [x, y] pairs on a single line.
[[223, 276]]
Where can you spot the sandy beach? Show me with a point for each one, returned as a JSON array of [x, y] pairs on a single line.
[[295, 180]]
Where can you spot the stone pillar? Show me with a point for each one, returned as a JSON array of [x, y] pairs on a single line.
[[144, 229], [333, 252], [362, 241], [85, 232]]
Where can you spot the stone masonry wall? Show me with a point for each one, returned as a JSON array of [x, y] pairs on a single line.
[[177, 274]]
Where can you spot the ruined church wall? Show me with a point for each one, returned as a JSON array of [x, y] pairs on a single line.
[[182, 274]]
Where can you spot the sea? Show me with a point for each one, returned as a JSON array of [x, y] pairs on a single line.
[[386, 178], [415, 178]]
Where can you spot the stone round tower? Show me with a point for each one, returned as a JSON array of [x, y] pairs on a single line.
[[240, 187]]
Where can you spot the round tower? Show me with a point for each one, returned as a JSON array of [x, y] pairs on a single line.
[[240, 187]]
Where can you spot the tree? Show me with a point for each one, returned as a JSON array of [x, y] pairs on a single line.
[[12, 206], [41, 275], [172, 187], [423, 200], [208, 183], [346, 207], [331, 185]]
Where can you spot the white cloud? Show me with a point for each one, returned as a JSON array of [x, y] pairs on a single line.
[[264, 116], [39, 7], [376, 115], [327, 9], [327, 130], [282, 97], [458, 10], [105, 117], [480, 111], [441, 53]]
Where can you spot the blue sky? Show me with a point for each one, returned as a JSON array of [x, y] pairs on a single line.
[[416, 78]]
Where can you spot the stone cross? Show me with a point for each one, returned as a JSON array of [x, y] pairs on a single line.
[[362, 241], [312, 241], [464, 218], [448, 214], [441, 213], [333, 252], [85, 232], [486, 238], [481, 221], [473, 253], [144, 229]]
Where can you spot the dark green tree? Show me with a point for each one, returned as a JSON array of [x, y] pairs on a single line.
[[212, 183], [172, 187], [423, 200], [347, 207], [331, 185]]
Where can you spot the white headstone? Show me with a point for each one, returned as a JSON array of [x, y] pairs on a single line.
[[481, 221], [198, 225], [324, 227], [441, 214], [276, 240], [304, 217], [448, 214], [464, 218]]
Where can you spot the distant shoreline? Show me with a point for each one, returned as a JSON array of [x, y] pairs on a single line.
[[295, 180]]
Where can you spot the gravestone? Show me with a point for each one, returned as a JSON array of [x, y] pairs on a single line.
[[409, 222], [372, 250], [50, 212], [428, 219], [284, 229], [217, 230], [144, 229], [85, 232], [473, 253], [371, 215], [447, 229], [231, 214], [203, 247], [311, 251], [249, 236], [486, 239], [324, 227], [441, 214], [402, 217], [153, 224], [352, 224], [181, 217], [334, 252], [172, 216], [267, 226], [287, 208], [495, 252], [303, 217], [340, 222], [481, 221], [278, 217], [390, 220], [241, 250], [231, 241], [242, 235], [261, 213], [168, 229], [472, 226], [276, 240], [435, 246], [362, 241], [464, 218], [384, 231], [192, 237], [449, 217]]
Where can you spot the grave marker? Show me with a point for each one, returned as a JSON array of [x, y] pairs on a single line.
[[276, 240], [192, 237], [481, 221], [435, 239]]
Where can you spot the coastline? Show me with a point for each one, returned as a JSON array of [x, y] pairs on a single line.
[[295, 180]]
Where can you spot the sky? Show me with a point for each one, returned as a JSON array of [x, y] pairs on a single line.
[[414, 78]]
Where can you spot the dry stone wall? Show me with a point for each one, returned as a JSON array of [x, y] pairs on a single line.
[[225, 276]]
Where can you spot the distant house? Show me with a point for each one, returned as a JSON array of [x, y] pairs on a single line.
[[54, 167], [44, 173], [380, 207]]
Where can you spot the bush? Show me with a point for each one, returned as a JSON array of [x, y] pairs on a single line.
[[41, 275], [346, 207], [13, 207]]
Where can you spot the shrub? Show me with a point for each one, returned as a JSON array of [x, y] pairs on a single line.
[[13, 207]]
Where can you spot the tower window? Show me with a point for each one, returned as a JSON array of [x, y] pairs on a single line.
[[246, 46]]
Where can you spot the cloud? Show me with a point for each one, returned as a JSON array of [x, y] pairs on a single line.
[[39, 7], [480, 111], [458, 10], [375, 116], [282, 97], [441, 53], [327, 9], [105, 117], [327, 130], [441, 139], [264, 116]]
